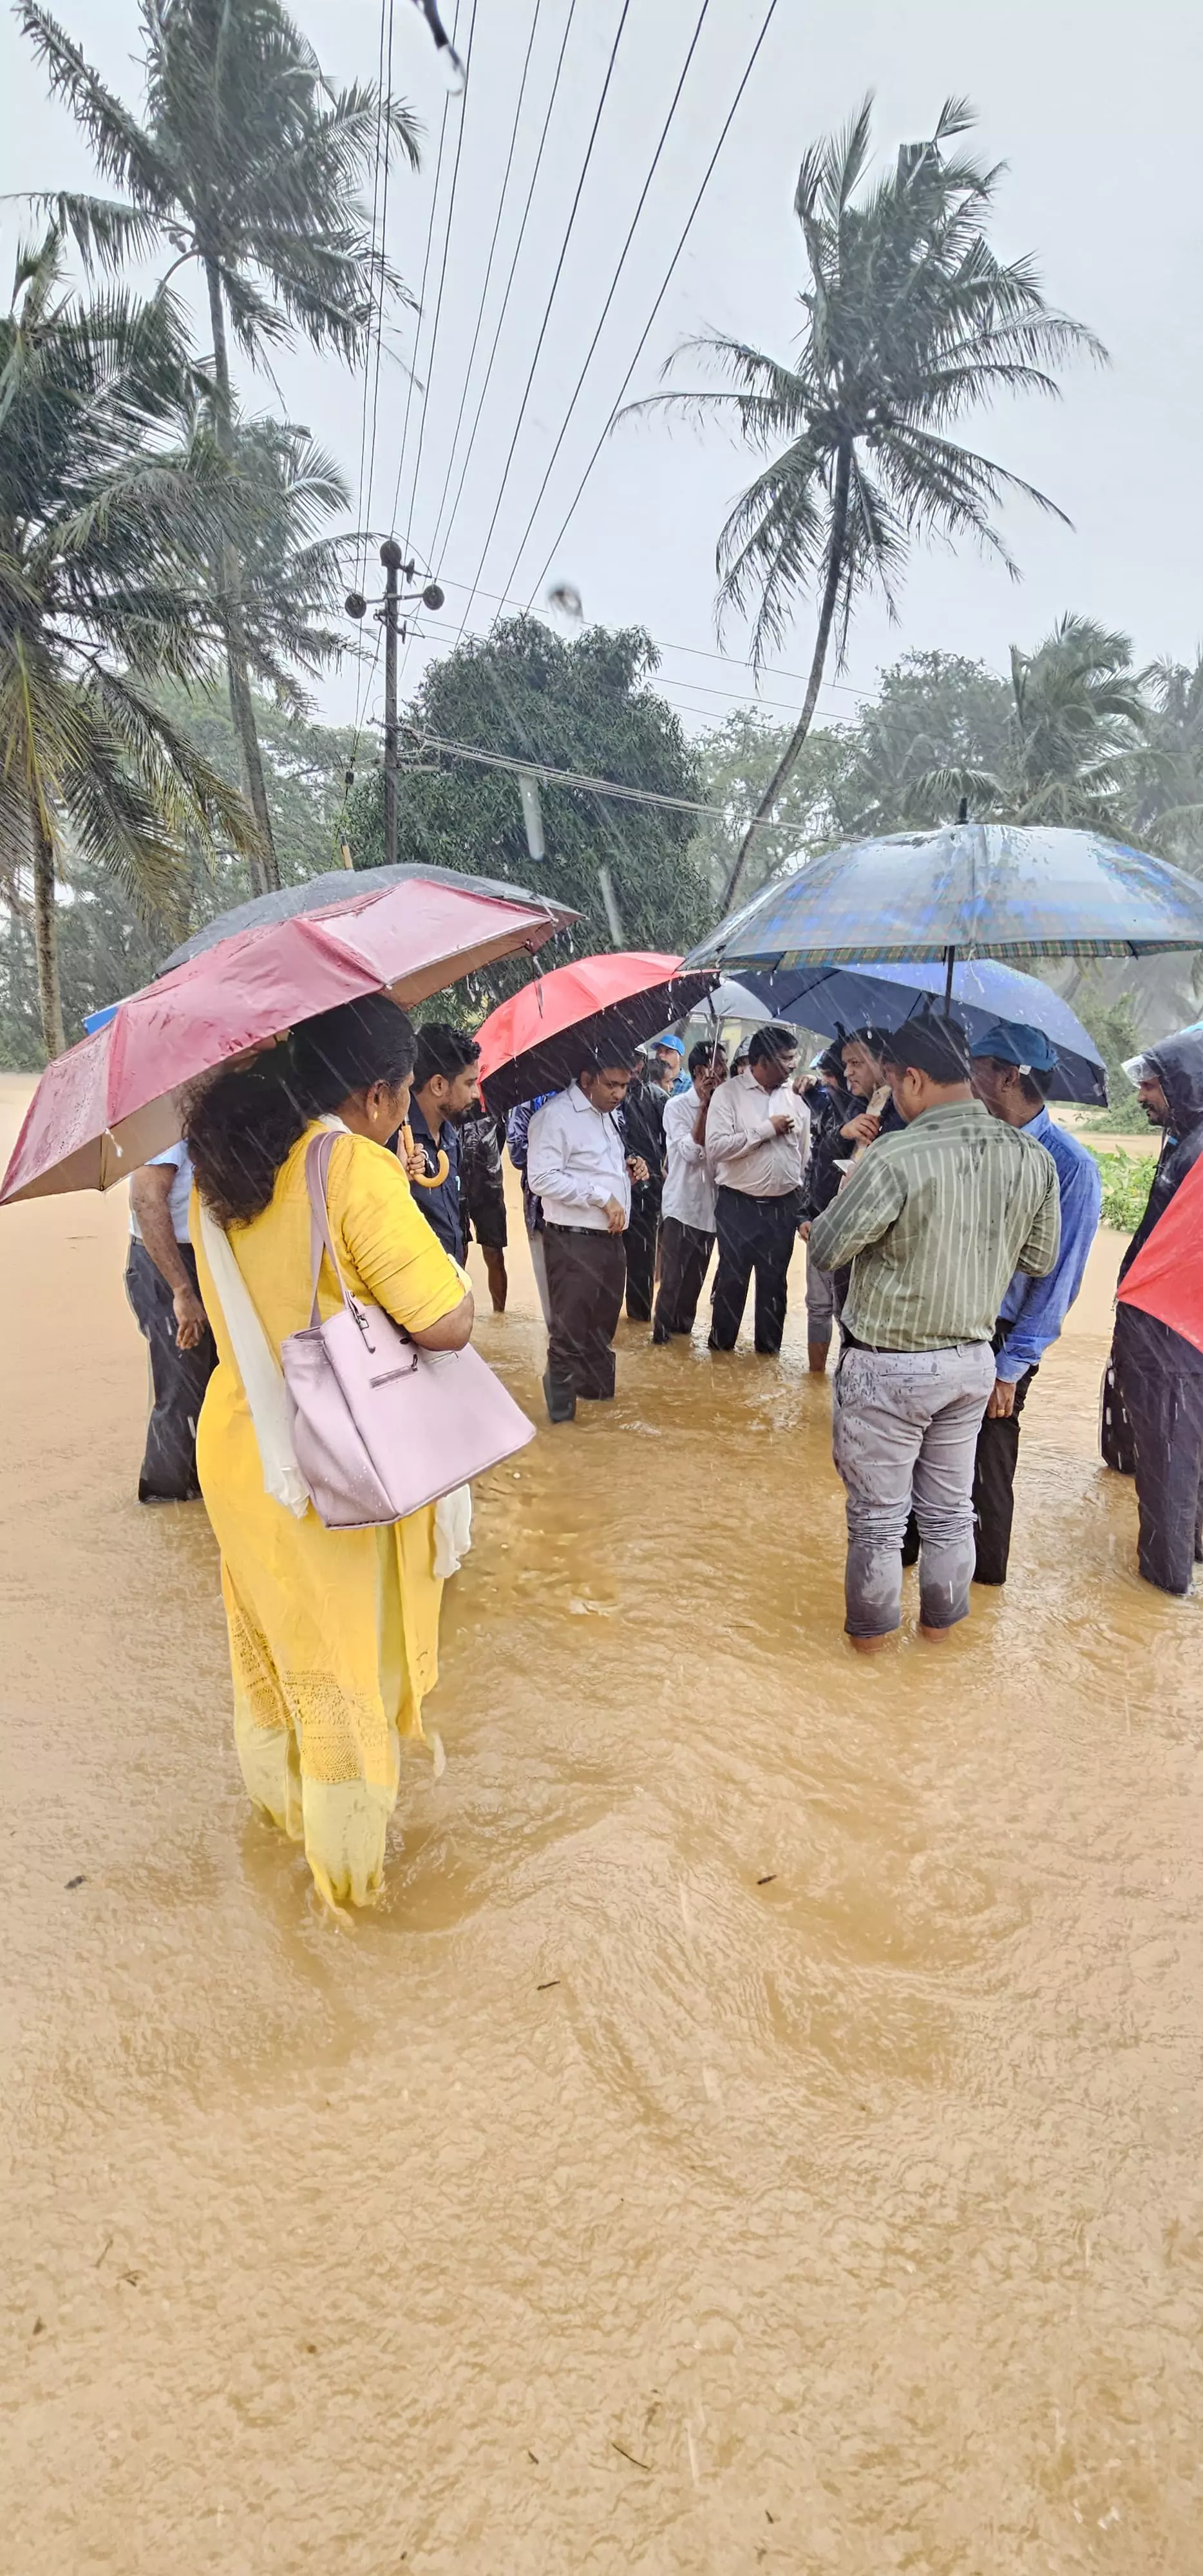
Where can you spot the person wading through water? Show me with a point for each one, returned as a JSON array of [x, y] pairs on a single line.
[[935, 1221], [1156, 1425], [577, 1164]]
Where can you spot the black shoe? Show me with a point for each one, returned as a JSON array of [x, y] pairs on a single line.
[[561, 1402]]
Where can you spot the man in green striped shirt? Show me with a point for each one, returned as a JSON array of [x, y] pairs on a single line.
[[936, 1221]]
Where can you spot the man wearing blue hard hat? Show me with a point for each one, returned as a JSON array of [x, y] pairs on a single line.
[[1013, 1067]]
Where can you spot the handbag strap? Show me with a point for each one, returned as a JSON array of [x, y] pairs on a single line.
[[317, 1178]]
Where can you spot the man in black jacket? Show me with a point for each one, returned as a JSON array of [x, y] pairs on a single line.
[[1158, 1375], [641, 1119]]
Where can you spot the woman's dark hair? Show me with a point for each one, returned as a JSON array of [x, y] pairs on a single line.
[[241, 1126]]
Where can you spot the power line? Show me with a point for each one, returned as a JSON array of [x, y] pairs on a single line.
[[488, 375], [484, 292], [667, 280], [622, 257], [386, 125], [433, 626], [549, 777], [559, 270], [434, 200], [377, 253], [438, 310]]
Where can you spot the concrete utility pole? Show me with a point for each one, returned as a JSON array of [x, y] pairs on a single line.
[[390, 556], [357, 606]]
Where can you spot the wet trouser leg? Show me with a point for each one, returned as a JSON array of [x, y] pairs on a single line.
[[586, 1275], [538, 1263], [684, 1259], [178, 1381], [640, 1245], [820, 1303], [753, 1235], [1160, 1380], [735, 1218], [904, 1424], [994, 1487]]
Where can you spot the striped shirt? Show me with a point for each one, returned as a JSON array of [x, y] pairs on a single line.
[[936, 1220]]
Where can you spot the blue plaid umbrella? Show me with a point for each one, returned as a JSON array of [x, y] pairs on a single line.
[[969, 889], [836, 999]]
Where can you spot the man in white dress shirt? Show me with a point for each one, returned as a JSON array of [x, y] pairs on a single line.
[[757, 1143], [577, 1164], [687, 1218]]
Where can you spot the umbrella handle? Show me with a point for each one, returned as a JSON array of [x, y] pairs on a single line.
[[431, 1180]]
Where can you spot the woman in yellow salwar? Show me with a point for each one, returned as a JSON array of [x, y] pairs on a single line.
[[333, 1633]]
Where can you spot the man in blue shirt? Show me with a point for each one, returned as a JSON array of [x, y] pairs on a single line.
[[1012, 1068]]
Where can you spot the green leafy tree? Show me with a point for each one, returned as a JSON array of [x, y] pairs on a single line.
[[932, 711], [105, 946], [102, 522], [583, 706], [736, 759], [909, 321], [1168, 803], [1076, 726], [249, 165]]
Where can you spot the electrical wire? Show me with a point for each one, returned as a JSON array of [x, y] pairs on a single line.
[[666, 282], [438, 310], [484, 292], [559, 270], [412, 373], [622, 257], [488, 375], [385, 117], [377, 253], [549, 777]]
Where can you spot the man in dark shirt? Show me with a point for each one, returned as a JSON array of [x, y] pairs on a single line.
[[1157, 1375], [446, 1088], [641, 1119]]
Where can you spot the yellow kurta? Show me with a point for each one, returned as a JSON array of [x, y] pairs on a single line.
[[333, 1633]]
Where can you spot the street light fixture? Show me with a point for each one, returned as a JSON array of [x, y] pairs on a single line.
[[357, 606]]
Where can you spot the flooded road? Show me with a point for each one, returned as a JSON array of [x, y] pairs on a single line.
[[759, 2130]]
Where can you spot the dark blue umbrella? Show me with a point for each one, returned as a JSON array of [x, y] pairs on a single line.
[[836, 999], [969, 889]]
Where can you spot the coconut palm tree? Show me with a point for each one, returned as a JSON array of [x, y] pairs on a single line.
[[1078, 724], [103, 521], [1168, 813], [909, 320], [249, 165]]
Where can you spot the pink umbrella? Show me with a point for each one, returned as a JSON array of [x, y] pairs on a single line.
[[108, 1104]]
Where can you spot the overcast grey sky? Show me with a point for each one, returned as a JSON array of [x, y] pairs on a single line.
[[1094, 105]]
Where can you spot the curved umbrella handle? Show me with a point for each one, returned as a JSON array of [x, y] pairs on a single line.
[[429, 1180]]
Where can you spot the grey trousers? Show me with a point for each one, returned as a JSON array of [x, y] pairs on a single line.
[[820, 1301], [904, 1431]]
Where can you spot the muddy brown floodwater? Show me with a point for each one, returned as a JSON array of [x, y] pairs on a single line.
[[760, 2128]]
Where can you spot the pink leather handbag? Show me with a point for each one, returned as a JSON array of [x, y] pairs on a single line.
[[380, 1427]]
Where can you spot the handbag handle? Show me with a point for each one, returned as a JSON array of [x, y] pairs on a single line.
[[317, 1174]]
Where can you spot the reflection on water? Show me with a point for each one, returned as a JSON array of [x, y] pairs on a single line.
[[759, 2128]]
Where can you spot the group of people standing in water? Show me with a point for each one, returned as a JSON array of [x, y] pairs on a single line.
[[947, 1223]]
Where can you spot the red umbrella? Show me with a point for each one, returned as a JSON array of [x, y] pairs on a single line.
[[108, 1104], [539, 1040], [1166, 1278]]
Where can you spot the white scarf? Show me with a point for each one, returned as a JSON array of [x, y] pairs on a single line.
[[271, 1407]]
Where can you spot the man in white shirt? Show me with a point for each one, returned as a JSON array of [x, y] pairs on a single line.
[[757, 1143], [687, 1219], [577, 1164], [161, 1285]]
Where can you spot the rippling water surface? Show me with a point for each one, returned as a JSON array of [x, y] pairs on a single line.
[[761, 2126]]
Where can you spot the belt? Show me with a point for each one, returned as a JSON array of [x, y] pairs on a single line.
[[892, 1350], [599, 1233]]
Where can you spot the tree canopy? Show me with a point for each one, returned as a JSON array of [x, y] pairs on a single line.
[[586, 706]]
